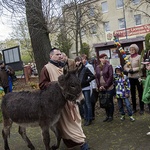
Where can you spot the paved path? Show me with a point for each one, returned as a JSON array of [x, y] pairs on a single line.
[[116, 135]]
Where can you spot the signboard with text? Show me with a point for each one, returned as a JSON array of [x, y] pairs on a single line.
[[143, 29], [11, 57]]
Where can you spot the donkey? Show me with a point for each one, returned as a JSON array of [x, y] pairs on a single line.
[[39, 108]]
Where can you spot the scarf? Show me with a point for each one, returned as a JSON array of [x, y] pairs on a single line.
[[58, 64], [134, 55]]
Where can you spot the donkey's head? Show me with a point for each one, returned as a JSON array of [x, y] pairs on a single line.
[[70, 85]]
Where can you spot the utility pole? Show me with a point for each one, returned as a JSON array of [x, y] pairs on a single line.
[[125, 20]]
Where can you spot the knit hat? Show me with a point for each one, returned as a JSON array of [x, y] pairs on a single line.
[[102, 55], [119, 67], [135, 47]]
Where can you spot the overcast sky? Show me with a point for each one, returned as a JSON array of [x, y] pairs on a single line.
[[5, 25], [5, 30]]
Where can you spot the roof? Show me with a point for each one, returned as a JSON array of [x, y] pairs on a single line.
[[122, 41]]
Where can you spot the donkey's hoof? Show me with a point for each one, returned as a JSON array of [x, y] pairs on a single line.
[[31, 147], [54, 147]]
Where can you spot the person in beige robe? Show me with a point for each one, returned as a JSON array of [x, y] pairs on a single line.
[[70, 120]]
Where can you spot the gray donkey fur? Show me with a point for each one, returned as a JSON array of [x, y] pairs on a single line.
[[39, 108]]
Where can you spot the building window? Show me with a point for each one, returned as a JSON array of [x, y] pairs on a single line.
[[121, 23], [93, 29], [119, 3], [91, 12], [137, 19], [106, 26], [136, 1], [104, 7]]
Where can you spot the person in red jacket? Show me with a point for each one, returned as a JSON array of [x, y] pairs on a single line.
[[104, 79]]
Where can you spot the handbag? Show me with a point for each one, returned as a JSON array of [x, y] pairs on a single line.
[[104, 100]]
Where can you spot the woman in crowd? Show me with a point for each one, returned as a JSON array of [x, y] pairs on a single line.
[[134, 71], [85, 76], [104, 79]]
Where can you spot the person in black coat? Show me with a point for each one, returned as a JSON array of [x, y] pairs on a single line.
[[85, 76], [6, 73]]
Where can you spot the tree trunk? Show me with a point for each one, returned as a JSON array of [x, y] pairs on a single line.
[[81, 45], [77, 42], [38, 32], [79, 30]]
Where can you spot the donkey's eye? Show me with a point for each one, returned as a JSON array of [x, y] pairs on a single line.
[[72, 86]]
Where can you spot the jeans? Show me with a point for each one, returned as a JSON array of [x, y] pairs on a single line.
[[94, 98], [84, 146], [127, 104], [87, 105]]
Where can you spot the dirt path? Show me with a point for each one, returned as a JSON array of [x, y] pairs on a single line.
[[116, 135]]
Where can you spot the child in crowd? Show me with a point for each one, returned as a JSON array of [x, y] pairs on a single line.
[[146, 84], [122, 86]]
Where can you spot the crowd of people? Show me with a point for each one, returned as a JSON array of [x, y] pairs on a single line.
[[98, 82]]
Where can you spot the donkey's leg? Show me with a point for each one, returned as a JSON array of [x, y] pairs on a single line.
[[22, 132], [58, 136], [46, 136], [6, 132]]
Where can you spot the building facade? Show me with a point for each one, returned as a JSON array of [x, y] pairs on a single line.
[[128, 20]]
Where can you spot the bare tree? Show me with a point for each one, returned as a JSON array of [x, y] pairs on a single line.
[[138, 7], [63, 43], [38, 32], [38, 13], [20, 33], [80, 16], [43, 17]]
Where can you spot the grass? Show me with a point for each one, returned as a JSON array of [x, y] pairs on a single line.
[[18, 73]]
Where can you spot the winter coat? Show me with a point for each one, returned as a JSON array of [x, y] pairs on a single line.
[[93, 82], [4, 76], [122, 86], [107, 72], [146, 92], [135, 65], [85, 76]]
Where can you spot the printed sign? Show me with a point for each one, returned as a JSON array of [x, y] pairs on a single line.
[[133, 31]]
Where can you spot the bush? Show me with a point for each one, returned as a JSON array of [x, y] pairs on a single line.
[[86, 49]]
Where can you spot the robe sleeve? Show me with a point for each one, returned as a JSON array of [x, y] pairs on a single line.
[[44, 80]]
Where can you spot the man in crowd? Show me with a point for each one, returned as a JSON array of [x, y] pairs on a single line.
[[69, 123], [69, 63], [6, 73]]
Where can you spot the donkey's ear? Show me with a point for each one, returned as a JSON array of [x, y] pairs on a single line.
[[65, 70]]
